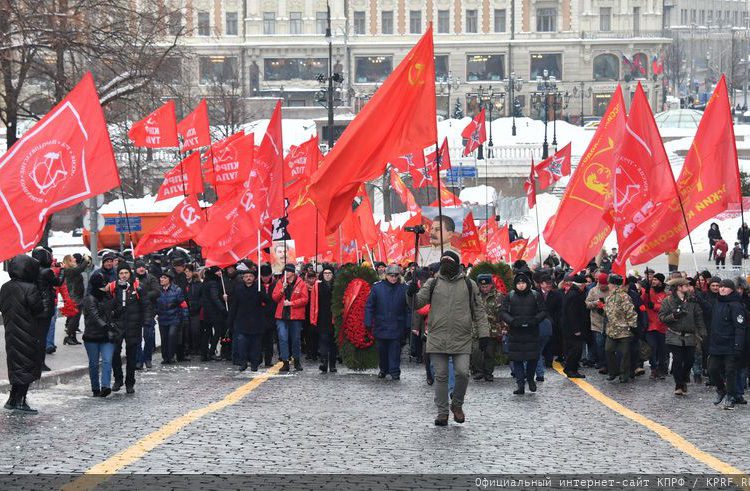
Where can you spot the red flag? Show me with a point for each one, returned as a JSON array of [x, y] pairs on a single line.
[[269, 164], [532, 247], [447, 198], [470, 237], [709, 181], [407, 198], [474, 134], [498, 243], [367, 231], [552, 169], [530, 186], [194, 128], [399, 118], [62, 160], [301, 162], [303, 229], [183, 180], [643, 182], [229, 163], [518, 248], [157, 130], [184, 223], [589, 194]]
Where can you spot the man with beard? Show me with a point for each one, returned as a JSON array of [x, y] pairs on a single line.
[[432, 253], [657, 330], [455, 306]]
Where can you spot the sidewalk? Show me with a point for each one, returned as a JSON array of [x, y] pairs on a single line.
[[67, 363]]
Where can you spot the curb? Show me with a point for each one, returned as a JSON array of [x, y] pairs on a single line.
[[61, 376]]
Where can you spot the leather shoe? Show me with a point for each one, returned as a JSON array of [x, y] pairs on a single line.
[[441, 420], [381, 375], [116, 386], [458, 414], [105, 392], [532, 386], [130, 389]]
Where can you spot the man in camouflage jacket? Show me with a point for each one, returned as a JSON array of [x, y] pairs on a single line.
[[621, 320], [483, 363]]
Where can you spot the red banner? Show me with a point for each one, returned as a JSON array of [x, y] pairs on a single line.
[[184, 223], [183, 180], [157, 130], [554, 168], [474, 134], [194, 128]]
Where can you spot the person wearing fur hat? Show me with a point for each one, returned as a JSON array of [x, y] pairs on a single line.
[[267, 316], [455, 307], [656, 330], [171, 310], [621, 321], [523, 310], [130, 306], [388, 316], [576, 322], [595, 303], [380, 269]]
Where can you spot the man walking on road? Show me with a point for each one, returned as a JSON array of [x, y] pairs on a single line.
[[455, 305]]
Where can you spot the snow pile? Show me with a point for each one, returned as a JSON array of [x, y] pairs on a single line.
[[478, 195], [293, 131], [147, 204], [64, 243]]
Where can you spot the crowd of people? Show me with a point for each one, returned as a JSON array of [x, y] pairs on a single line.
[[457, 327]]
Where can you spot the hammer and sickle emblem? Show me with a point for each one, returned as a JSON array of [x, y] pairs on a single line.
[[418, 77], [247, 201], [189, 215]]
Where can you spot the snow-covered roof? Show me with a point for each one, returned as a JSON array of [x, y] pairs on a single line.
[[480, 195], [147, 204]]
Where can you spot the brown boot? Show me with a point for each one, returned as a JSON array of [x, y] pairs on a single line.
[[458, 414], [441, 420]]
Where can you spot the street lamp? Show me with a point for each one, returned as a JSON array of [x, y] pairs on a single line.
[[546, 85], [447, 84], [326, 95], [493, 101], [585, 92], [513, 85], [561, 102]]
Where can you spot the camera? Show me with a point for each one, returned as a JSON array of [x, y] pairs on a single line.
[[417, 229]]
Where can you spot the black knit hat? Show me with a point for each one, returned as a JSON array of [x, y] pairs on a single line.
[[265, 270], [124, 265], [660, 277], [615, 279], [727, 284], [452, 255], [289, 268], [140, 263]]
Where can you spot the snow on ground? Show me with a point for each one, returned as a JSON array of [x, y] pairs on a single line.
[[478, 195]]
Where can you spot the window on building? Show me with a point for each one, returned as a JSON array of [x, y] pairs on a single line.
[[204, 24], [175, 23], [693, 16], [444, 21], [744, 18], [607, 67], [472, 21], [372, 69], [321, 22], [415, 21], [727, 18], [269, 22], [499, 20], [485, 68], [702, 17], [636, 20], [605, 19], [683, 17], [601, 102], [735, 18], [710, 17], [217, 69], [295, 22], [552, 62], [441, 67], [359, 22], [231, 23], [386, 22], [275, 69], [546, 20], [170, 71]]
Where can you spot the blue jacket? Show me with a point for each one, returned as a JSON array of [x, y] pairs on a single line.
[[387, 312], [728, 325], [169, 306]]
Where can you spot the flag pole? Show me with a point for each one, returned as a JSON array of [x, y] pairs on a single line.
[[438, 159], [127, 218], [539, 242], [259, 259]]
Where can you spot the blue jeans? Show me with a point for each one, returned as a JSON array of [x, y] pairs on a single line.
[[389, 351], [289, 329], [51, 331], [146, 350], [543, 340], [94, 352], [659, 355], [168, 341], [599, 339]]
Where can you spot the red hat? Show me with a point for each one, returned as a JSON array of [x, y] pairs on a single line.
[[602, 278]]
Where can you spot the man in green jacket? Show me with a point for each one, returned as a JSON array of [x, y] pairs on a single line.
[[621, 320], [484, 361], [455, 305]]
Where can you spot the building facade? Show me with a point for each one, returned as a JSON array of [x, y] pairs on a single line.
[[267, 48]]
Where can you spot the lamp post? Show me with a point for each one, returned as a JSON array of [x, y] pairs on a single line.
[[326, 94], [513, 85], [447, 84], [546, 85], [492, 101], [585, 92], [561, 102]]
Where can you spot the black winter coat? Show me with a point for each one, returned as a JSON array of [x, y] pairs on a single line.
[[130, 308], [246, 309], [21, 304], [193, 292], [211, 299], [728, 326], [523, 311], [97, 317], [150, 286], [553, 304], [325, 297], [47, 282], [74, 280], [577, 317]]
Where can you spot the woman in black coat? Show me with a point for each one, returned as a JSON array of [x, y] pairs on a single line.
[[21, 305], [523, 310], [321, 316], [130, 306], [245, 311], [99, 335]]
